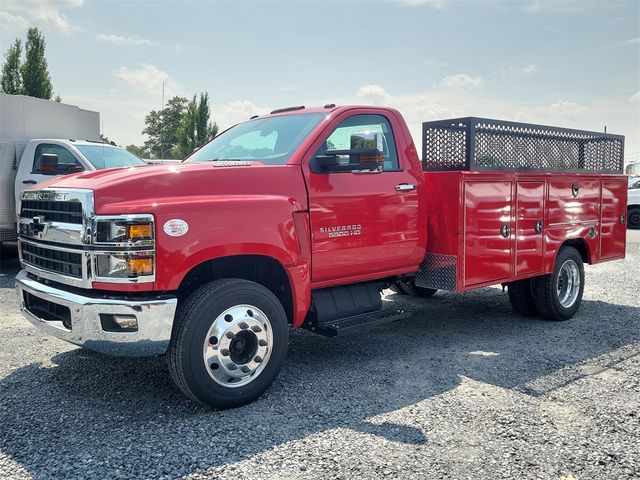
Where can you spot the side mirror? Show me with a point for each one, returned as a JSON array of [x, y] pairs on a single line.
[[365, 153], [49, 164]]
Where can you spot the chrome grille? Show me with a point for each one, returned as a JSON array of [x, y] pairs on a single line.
[[53, 260], [52, 211]]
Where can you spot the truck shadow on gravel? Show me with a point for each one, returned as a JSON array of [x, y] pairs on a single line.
[[89, 415]]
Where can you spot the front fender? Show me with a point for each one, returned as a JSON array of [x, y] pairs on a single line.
[[224, 226]]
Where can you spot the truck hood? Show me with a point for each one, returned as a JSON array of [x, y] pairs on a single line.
[[128, 190]]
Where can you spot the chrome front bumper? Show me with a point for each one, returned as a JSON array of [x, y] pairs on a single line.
[[154, 317]]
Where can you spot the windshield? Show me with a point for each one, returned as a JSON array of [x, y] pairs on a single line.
[[270, 140], [103, 156]]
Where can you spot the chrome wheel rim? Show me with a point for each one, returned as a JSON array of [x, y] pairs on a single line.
[[568, 283], [238, 346]]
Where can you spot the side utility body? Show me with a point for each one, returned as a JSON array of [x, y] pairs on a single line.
[[301, 218]]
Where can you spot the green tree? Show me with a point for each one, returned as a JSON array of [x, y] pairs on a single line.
[[36, 80], [205, 129], [138, 151], [11, 81], [196, 127], [161, 126]]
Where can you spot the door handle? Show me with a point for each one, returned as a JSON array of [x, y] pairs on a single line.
[[505, 230], [538, 226], [29, 182], [405, 187]]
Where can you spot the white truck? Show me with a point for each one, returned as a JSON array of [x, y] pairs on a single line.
[[633, 203], [40, 139]]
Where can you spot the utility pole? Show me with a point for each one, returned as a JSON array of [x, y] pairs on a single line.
[[162, 125]]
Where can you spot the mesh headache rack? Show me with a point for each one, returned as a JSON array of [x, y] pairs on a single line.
[[480, 144]]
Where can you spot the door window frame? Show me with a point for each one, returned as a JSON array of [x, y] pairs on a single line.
[[35, 157], [333, 126]]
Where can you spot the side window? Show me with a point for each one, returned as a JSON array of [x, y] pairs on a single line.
[[340, 139], [67, 163]]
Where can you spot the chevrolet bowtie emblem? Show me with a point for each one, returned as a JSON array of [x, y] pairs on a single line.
[[37, 227]]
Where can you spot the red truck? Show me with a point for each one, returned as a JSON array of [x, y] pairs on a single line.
[[300, 218]]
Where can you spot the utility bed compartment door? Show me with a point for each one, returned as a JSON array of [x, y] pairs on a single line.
[[613, 222], [573, 200], [487, 231], [529, 217]]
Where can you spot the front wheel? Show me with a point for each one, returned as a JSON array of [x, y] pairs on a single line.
[[557, 296], [229, 343]]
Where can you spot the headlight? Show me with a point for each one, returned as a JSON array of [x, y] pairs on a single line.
[[123, 231], [125, 248], [124, 265]]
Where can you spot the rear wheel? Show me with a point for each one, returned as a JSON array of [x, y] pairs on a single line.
[[633, 220], [521, 297], [229, 343], [557, 296]]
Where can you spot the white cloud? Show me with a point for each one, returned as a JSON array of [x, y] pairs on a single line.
[[565, 108], [635, 98], [631, 41], [461, 80], [149, 78], [45, 14], [373, 95], [529, 69], [237, 111], [119, 40], [556, 6]]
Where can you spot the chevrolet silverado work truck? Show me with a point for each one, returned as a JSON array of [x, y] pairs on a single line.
[[300, 218]]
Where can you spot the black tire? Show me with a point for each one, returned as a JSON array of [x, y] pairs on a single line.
[[521, 297], [193, 320], [410, 288], [545, 292], [633, 218]]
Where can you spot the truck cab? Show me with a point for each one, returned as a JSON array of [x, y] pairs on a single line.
[[44, 159], [300, 218]]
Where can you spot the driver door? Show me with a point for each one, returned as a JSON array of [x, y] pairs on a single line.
[[363, 223], [40, 171]]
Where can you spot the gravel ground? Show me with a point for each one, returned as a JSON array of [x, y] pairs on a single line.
[[462, 389]]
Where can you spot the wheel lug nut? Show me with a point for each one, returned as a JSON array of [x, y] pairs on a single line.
[[243, 325], [230, 335], [224, 352], [258, 359], [232, 366], [262, 343], [245, 369], [256, 329]]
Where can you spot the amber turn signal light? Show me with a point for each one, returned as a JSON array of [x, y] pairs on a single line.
[[140, 266], [139, 231]]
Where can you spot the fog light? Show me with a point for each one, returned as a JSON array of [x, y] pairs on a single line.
[[126, 322], [118, 323]]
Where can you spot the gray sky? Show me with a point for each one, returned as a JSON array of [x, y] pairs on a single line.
[[563, 62]]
